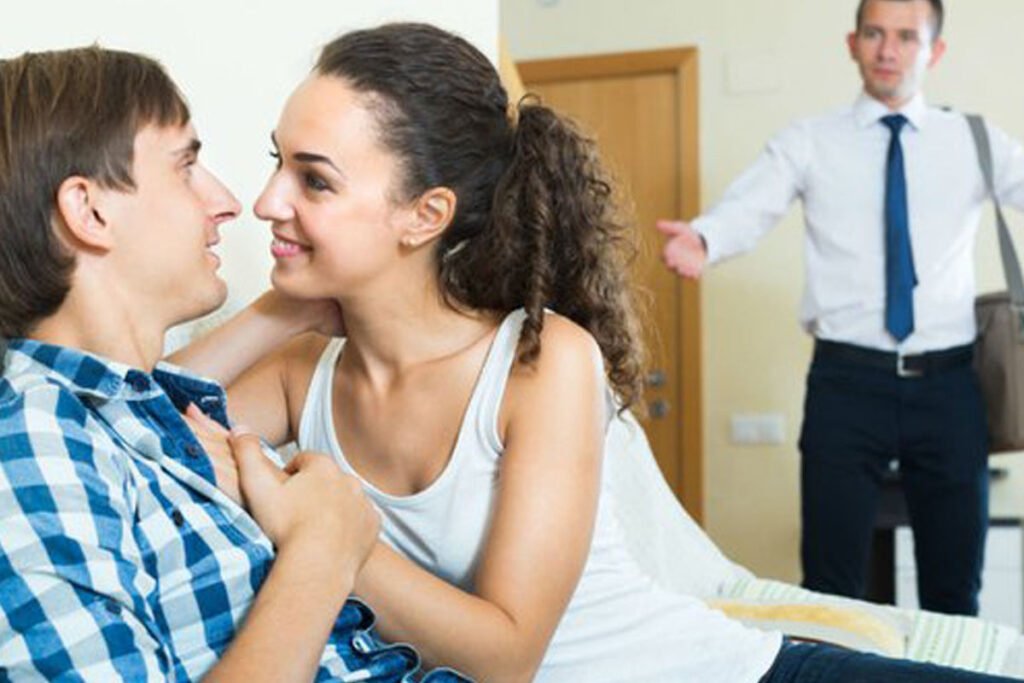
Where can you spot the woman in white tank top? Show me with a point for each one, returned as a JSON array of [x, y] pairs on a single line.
[[476, 419]]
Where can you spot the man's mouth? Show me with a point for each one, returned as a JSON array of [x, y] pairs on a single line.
[[211, 253]]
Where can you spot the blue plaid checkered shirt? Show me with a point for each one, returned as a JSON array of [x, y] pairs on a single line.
[[119, 557]]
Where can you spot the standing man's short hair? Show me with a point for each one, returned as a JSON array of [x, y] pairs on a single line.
[[938, 14], [65, 113]]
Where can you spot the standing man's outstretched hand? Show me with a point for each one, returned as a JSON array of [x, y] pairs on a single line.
[[684, 252]]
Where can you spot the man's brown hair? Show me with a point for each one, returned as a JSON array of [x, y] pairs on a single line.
[[938, 15], [65, 113]]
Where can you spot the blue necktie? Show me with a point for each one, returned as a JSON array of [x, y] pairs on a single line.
[[900, 278]]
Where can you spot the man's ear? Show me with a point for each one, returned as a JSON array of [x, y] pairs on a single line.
[[938, 49], [79, 207], [434, 211]]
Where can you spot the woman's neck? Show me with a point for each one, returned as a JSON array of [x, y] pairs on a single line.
[[388, 337]]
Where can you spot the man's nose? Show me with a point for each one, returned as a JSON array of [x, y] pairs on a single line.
[[887, 48], [221, 202]]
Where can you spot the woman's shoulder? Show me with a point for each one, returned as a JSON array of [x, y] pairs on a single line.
[[299, 359], [564, 385], [569, 362], [565, 343], [302, 353]]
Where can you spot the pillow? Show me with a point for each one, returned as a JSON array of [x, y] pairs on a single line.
[[944, 639], [854, 628]]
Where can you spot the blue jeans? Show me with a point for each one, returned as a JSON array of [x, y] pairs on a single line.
[[806, 663], [377, 661]]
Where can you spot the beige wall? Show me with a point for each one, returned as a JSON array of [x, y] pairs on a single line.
[[786, 58]]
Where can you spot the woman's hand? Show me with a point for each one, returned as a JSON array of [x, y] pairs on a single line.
[[255, 333], [310, 504], [311, 509], [214, 440], [323, 528], [300, 315]]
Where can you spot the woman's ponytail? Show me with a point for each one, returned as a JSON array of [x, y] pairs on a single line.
[[555, 240]]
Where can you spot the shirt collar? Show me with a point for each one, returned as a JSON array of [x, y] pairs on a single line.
[[867, 110], [87, 374]]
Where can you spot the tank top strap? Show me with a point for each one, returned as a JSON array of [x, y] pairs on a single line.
[[483, 410], [316, 426]]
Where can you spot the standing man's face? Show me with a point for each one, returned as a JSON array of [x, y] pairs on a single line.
[[894, 47]]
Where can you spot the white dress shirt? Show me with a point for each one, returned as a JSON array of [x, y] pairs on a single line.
[[836, 165]]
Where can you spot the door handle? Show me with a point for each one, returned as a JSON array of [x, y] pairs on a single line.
[[656, 378], [658, 409]]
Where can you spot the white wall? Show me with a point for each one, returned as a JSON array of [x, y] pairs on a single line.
[[755, 355], [236, 62]]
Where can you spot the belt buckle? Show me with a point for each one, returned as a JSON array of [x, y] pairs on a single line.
[[903, 371]]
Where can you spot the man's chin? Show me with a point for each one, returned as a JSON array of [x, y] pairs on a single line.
[[218, 295], [210, 301], [885, 93]]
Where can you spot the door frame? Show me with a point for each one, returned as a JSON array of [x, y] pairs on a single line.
[[683, 64]]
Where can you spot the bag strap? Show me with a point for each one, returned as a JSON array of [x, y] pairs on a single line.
[[1011, 265]]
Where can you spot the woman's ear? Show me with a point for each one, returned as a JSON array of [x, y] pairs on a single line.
[[79, 203], [434, 211]]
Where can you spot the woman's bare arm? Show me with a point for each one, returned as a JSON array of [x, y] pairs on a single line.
[[540, 533]]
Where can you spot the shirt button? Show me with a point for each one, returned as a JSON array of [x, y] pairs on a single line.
[[178, 518], [194, 450], [139, 383]]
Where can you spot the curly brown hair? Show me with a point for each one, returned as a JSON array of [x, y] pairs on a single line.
[[536, 224]]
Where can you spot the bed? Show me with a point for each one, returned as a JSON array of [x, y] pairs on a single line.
[[676, 553]]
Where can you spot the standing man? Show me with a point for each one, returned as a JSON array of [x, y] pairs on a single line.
[[892, 194]]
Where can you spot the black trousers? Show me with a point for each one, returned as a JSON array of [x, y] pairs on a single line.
[[858, 419]]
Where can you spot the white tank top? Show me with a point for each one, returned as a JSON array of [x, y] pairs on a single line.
[[619, 626]]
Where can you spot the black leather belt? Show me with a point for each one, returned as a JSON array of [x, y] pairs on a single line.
[[917, 365]]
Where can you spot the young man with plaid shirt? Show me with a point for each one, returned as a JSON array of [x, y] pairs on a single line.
[[125, 550]]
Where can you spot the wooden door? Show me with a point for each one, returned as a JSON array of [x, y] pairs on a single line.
[[641, 108]]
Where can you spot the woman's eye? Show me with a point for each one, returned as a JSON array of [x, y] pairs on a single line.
[[276, 157], [315, 183]]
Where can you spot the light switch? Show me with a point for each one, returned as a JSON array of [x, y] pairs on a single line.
[[757, 428]]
